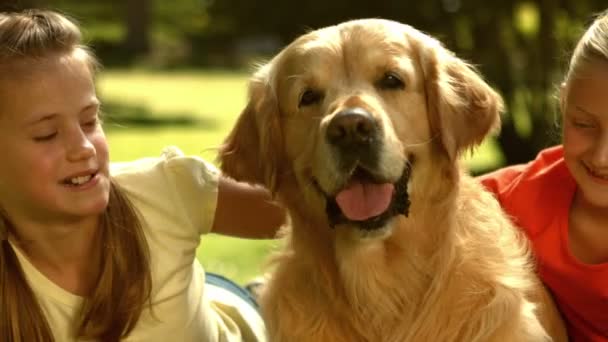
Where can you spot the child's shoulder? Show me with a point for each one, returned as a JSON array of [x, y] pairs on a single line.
[[546, 169], [173, 188], [534, 192], [171, 159], [144, 164], [171, 172]]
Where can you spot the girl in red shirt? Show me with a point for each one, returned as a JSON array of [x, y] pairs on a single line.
[[561, 198]]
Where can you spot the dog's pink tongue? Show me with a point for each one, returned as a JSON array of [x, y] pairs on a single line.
[[360, 201]]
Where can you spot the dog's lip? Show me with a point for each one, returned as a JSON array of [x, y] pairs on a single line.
[[364, 174], [399, 203], [358, 172]]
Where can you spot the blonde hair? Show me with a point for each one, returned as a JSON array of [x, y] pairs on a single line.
[[591, 48], [124, 284]]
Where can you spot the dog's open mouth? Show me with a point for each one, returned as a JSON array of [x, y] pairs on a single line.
[[367, 202]]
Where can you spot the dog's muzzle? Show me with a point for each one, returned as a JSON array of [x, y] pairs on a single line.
[[355, 136], [398, 202], [367, 200]]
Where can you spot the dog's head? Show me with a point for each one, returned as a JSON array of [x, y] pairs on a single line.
[[346, 120]]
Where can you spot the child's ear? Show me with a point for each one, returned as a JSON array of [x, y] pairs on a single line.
[[252, 151]]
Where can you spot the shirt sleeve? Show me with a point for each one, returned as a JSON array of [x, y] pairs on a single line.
[[173, 188], [501, 181], [533, 194]]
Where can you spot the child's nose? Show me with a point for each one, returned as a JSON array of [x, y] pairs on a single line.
[[79, 147]]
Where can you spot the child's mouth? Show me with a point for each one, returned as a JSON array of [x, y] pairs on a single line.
[[594, 174], [79, 180]]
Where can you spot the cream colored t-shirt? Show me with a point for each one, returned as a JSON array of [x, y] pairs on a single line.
[[176, 197]]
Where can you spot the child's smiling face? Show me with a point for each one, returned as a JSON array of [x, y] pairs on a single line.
[[585, 131], [55, 154]]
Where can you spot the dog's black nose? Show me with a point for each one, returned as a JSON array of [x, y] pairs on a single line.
[[352, 128]]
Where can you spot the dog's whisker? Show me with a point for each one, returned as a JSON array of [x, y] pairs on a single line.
[[422, 143]]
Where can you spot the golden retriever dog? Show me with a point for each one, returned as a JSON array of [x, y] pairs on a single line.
[[357, 129]]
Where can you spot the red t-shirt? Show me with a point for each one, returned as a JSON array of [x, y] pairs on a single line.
[[538, 196]]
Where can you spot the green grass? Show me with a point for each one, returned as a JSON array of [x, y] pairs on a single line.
[[193, 110], [215, 99]]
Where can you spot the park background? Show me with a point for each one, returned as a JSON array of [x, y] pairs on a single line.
[[175, 71]]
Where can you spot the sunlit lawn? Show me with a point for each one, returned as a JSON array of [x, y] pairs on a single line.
[[214, 99]]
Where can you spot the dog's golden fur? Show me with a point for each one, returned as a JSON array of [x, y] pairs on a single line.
[[454, 268]]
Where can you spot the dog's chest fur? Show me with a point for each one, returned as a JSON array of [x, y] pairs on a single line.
[[402, 288], [367, 299]]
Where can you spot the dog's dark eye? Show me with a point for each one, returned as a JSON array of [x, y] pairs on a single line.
[[310, 97], [390, 81]]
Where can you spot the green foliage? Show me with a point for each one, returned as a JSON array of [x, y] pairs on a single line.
[[118, 30], [183, 17]]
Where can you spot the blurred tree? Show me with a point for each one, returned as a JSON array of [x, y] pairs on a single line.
[[137, 17], [16, 5], [519, 45], [124, 32]]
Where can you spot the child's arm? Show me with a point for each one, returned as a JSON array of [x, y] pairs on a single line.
[[246, 211]]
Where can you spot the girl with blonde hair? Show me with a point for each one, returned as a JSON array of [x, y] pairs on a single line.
[[96, 251], [560, 199]]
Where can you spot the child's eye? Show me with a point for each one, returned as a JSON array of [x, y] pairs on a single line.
[[44, 138], [91, 123], [582, 124]]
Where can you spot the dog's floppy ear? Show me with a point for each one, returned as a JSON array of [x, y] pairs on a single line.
[[252, 150], [463, 108]]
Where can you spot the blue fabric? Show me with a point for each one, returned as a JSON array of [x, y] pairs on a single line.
[[227, 284]]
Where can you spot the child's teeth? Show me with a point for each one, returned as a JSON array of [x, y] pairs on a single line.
[[80, 180]]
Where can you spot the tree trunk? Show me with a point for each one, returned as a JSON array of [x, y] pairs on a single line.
[[137, 40]]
